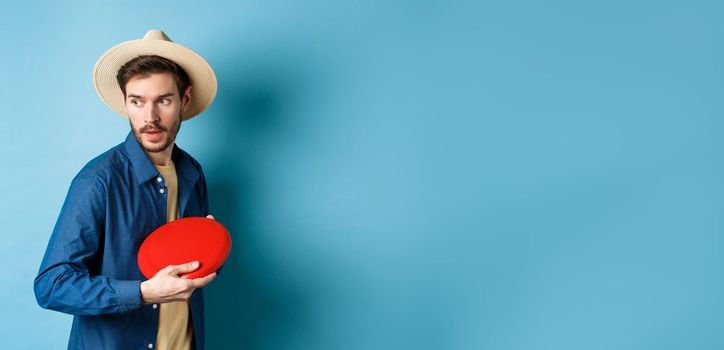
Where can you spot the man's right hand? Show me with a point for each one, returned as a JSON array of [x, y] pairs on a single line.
[[166, 286]]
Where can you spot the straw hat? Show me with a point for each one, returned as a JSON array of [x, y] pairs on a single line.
[[155, 42]]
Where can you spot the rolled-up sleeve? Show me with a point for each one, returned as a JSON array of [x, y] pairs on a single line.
[[66, 280]]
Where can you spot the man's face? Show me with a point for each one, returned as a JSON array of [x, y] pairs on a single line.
[[154, 110]]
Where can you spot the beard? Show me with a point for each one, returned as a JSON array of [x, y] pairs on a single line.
[[170, 134]]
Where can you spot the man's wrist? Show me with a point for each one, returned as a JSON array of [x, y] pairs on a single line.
[[144, 293]]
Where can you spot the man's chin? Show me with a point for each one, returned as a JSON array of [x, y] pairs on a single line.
[[156, 147]]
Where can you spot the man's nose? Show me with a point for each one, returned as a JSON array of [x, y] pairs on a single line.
[[151, 113]]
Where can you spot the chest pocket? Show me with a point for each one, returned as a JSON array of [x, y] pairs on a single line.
[[191, 204]]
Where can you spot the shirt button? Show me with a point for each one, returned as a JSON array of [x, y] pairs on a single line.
[[150, 346], [159, 179], [161, 190], [155, 306]]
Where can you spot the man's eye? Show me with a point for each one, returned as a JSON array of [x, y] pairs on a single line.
[[136, 102], [164, 101]]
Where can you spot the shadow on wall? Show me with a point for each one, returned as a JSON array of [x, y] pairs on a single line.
[[250, 305]]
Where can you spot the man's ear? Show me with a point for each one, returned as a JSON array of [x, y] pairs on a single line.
[[187, 98], [125, 108]]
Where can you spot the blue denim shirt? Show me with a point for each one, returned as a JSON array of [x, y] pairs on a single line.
[[90, 269]]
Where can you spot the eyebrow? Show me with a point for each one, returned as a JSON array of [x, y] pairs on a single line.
[[159, 96]]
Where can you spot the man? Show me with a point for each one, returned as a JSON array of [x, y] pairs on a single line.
[[90, 269]]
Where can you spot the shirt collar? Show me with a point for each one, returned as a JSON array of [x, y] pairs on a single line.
[[144, 169]]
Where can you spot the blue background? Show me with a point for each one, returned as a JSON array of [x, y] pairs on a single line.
[[406, 174]]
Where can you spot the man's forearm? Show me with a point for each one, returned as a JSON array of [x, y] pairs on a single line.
[[68, 290]]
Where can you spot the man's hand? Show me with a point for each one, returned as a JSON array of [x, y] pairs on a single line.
[[210, 217], [167, 286]]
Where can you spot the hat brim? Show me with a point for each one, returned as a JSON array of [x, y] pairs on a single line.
[[199, 71]]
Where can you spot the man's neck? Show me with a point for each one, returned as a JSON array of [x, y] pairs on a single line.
[[162, 158]]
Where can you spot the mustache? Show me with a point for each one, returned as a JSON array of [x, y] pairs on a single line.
[[152, 127]]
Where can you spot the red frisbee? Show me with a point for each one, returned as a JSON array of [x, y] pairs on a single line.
[[183, 241]]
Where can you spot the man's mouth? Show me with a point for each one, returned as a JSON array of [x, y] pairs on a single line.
[[153, 134]]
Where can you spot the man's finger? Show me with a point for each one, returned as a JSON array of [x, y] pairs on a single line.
[[210, 217], [183, 268], [200, 282]]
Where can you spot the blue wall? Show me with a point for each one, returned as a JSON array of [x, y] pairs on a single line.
[[407, 174]]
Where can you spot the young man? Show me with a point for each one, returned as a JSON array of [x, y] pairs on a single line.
[[90, 269]]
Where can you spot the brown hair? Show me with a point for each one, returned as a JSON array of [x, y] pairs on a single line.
[[146, 65]]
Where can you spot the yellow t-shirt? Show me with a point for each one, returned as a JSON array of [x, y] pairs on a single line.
[[175, 330]]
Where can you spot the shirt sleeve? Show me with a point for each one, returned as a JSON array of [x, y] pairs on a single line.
[[203, 192], [205, 203], [66, 281]]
